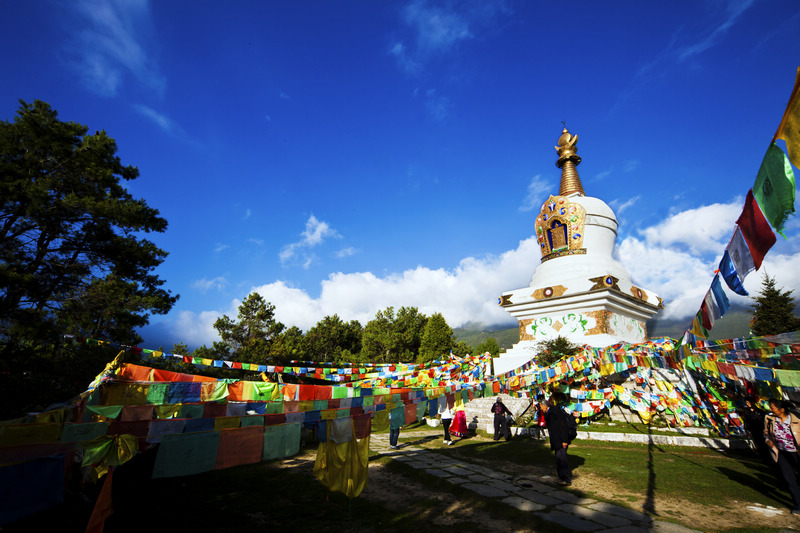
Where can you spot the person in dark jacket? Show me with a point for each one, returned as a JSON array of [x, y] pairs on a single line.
[[500, 411], [753, 419], [558, 427]]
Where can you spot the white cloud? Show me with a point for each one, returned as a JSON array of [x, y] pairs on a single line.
[[195, 329], [733, 10], [630, 165], [160, 120], [702, 230], [404, 61], [538, 191], [620, 207], [466, 293], [110, 45], [602, 175], [315, 233], [680, 278], [436, 29], [204, 285], [346, 252], [220, 247], [437, 105], [678, 270]]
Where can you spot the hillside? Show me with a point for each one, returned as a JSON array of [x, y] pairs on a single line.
[[475, 334], [735, 324]]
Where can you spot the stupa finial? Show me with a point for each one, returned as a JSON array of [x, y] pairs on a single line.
[[568, 161]]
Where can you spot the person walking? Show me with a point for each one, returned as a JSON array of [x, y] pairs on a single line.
[[460, 422], [447, 419], [753, 419], [500, 411], [394, 434], [781, 430], [558, 426], [539, 426]]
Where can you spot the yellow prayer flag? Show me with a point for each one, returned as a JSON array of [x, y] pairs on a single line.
[[789, 129]]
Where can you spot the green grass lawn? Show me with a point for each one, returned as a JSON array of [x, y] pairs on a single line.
[[706, 476]]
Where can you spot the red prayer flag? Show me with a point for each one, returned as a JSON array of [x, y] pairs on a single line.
[[706, 316], [103, 507], [756, 230]]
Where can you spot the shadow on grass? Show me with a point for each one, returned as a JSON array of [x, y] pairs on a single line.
[[765, 483]]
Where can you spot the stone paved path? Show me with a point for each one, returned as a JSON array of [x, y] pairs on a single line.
[[550, 503]]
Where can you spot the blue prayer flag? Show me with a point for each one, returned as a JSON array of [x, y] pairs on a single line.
[[720, 297], [730, 275]]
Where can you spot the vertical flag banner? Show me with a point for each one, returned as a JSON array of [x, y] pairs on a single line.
[[774, 188], [756, 231], [739, 252], [789, 129], [730, 275], [719, 296], [710, 309]]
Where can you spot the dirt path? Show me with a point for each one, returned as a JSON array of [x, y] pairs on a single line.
[[403, 494]]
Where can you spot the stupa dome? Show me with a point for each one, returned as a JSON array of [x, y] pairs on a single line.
[[579, 290]]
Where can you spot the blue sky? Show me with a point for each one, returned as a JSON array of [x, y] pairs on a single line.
[[342, 157]]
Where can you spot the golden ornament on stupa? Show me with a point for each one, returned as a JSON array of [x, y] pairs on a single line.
[[568, 161]]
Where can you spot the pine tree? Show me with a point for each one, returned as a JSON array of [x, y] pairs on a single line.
[[437, 339], [553, 350], [489, 345], [773, 312]]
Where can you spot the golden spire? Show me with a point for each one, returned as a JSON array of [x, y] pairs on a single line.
[[568, 161]]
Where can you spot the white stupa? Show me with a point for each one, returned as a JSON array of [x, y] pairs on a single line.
[[579, 291]]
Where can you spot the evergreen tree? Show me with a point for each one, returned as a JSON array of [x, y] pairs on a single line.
[[437, 339], [462, 349], [489, 345], [553, 350], [249, 338], [773, 311], [391, 338], [331, 337], [73, 258]]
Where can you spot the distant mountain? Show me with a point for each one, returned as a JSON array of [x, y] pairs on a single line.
[[735, 324], [475, 334]]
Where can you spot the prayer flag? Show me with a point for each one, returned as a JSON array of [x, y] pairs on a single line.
[[720, 298], [697, 326], [711, 309], [730, 275], [740, 255], [789, 128], [706, 319], [756, 230], [774, 188]]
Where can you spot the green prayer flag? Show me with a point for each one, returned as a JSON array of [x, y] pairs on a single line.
[[788, 378], [274, 408], [774, 188], [184, 454], [157, 393], [108, 411], [83, 431]]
